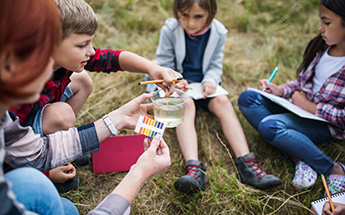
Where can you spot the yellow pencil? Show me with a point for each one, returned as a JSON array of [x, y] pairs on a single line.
[[157, 81], [69, 164], [327, 192]]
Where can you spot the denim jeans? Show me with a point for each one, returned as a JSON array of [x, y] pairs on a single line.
[[291, 134], [37, 193]]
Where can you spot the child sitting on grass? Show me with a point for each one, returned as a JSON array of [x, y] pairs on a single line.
[[67, 91], [192, 43], [318, 89]]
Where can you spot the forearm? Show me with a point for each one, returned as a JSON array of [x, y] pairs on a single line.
[[134, 63], [130, 185], [102, 129]]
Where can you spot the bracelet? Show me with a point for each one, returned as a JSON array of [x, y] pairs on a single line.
[[109, 124]]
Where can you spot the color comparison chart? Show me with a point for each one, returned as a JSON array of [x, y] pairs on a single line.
[[149, 127]]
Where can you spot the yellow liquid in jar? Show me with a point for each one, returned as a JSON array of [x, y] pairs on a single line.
[[171, 115]]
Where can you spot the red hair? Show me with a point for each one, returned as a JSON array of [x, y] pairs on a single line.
[[30, 30]]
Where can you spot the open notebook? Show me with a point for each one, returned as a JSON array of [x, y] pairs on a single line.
[[195, 91], [288, 105], [318, 204]]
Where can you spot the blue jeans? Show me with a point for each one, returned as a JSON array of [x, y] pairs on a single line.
[[36, 124], [291, 134], [37, 193]]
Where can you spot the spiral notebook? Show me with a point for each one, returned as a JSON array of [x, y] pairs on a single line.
[[318, 204]]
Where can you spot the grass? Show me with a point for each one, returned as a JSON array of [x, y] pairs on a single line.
[[262, 34]]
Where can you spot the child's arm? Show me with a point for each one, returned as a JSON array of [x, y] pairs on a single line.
[[134, 63]]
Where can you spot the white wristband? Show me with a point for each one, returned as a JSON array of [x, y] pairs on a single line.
[[109, 124]]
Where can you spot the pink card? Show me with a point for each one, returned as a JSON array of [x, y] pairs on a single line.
[[118, 153]]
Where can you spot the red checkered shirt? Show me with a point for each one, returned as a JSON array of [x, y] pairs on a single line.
[[330, 99]]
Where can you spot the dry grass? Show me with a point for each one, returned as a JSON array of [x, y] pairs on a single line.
[[262, 35]]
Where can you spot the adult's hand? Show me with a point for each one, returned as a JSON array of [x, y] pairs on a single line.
[[155, 159], [125, 117]]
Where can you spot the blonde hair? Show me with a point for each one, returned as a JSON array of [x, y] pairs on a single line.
[[76, 17]]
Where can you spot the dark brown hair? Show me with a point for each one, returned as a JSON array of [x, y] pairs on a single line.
[[209, 5], [30, 30], [317, 43]]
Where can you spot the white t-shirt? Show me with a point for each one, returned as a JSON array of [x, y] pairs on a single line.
[[327, 66]]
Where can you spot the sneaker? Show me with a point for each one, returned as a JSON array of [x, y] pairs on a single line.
[[304, 177], [336, 183], [250, 173], [195, 178], [71, 184]]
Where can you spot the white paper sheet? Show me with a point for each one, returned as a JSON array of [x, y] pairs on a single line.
[[288, 105], [195, 91]]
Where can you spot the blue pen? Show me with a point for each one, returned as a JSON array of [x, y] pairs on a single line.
[[272, 75]]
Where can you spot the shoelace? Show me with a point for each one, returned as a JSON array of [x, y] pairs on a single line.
[[260, 173], [192, 170]]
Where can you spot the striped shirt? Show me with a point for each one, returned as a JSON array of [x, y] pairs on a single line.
[[20, 146]]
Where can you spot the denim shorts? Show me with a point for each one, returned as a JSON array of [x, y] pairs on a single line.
[[202, 103], [37, 122]]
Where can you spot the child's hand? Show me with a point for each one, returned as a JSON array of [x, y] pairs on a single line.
[[338, 209], [62, 174], [208, 89], [271, 88], [183, 85], [300, 99], [167, 74]]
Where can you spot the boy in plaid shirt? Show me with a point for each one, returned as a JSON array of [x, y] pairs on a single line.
[[65, 94]]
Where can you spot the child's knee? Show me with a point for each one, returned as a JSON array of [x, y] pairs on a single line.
[[190, 103], [268, 129], [86, 81], [247, 98], [223, 101], [60, 115]]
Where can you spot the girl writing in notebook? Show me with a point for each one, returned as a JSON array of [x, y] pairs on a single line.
[[318, 89], [192, 43]]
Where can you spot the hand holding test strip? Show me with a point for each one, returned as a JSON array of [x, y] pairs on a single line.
[[149, 127]]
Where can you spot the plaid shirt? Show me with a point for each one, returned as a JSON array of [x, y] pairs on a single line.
[[106, 60], [330, 99]]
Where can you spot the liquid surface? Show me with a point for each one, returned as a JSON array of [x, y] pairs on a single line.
[[171, 115]]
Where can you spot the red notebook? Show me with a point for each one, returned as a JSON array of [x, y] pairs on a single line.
[[118, 154]]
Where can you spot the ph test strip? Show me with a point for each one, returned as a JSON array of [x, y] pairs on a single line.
[[149, 127]]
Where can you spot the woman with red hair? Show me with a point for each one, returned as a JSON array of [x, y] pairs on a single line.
[[30, 30]]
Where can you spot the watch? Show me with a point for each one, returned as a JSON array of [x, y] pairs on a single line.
[[109, 124]]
